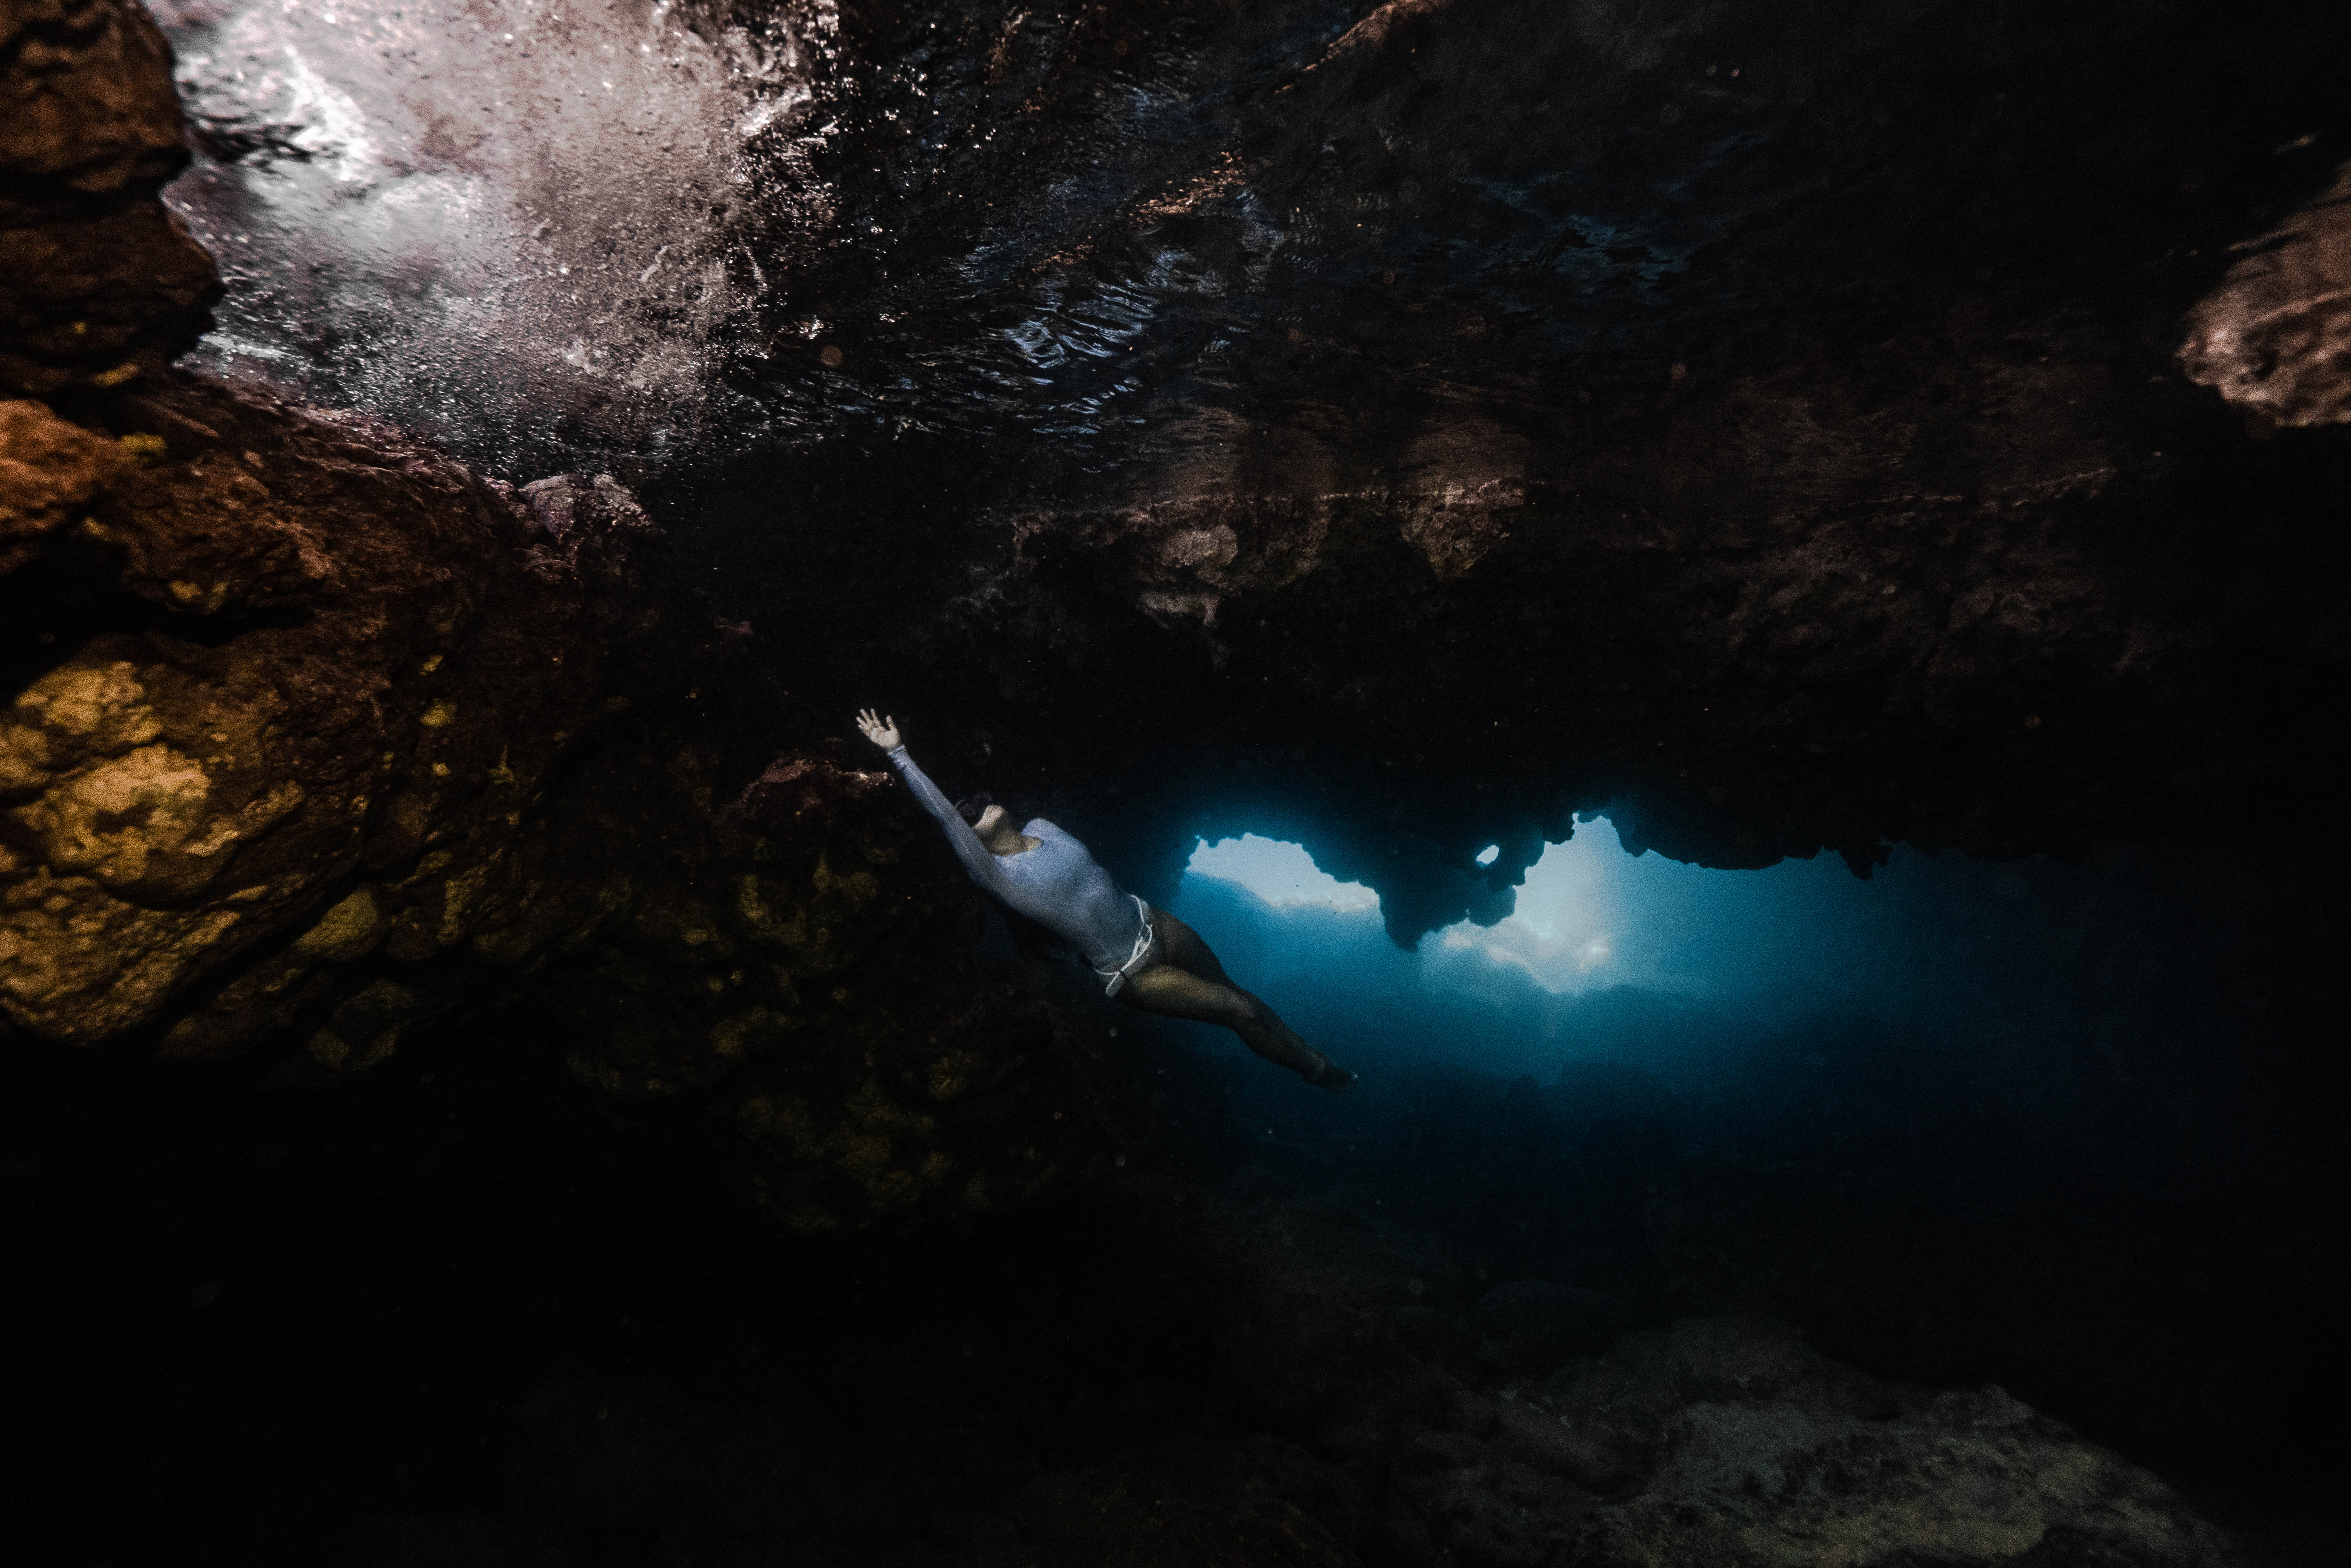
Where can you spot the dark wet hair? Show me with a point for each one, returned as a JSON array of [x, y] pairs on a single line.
[[973, 806]]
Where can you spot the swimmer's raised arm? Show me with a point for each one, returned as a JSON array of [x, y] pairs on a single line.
[[969, 848]]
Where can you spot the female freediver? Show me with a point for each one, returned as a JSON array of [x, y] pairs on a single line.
[[1149, 959]]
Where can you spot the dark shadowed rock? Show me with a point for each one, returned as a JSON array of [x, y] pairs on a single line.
[[1764, 1453], [1717, 1441], [1437, 1338], [1530, 1326], [1170, 1521], [1394, 435]]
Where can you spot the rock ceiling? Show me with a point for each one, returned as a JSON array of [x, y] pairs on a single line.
[[1392, 428]]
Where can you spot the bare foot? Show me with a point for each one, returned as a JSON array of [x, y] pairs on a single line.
[[1329, 1075]]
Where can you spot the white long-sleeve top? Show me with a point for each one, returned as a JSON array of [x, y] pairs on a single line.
[[1057, 884]]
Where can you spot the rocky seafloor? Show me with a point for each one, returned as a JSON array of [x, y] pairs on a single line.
[[494, 1077], [453, 1318]]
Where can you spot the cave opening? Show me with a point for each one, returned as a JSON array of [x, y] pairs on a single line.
[[1975, 1097], [1951, 1029]]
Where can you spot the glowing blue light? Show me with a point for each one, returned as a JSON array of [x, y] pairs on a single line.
[[1278, 872]]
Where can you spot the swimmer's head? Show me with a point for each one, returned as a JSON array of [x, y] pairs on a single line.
[[991, 821]]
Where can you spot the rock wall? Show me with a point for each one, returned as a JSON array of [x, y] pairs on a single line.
[[98, 283], [1403, 434], [2275, 338], [316, 737]]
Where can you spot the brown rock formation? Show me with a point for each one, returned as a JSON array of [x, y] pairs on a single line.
[[97, 282], [2275, 338], [313, 736]]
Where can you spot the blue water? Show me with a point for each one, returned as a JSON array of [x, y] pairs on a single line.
[[1972, 1012]]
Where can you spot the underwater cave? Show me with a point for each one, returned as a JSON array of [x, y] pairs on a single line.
[[1701, 647]]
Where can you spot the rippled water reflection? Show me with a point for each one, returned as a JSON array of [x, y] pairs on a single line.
[[566, 232], [505, 221]]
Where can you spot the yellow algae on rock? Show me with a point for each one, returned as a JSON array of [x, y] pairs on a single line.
[[763, 919], [137, 778], [782, 1118], [103, 708], [146, 820], [196, 596], [856, 889], [459, 893], [24, 757], [48, 471], [894, 1188], [745, 1033], [872, 1106], [865, 1155], [332, 1051], [78, 964], [809, 1220], [348, 931], [107, 820]]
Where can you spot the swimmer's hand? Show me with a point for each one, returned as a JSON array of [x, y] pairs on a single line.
[[881, 732]]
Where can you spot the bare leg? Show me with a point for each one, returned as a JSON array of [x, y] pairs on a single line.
[[1189, 983]]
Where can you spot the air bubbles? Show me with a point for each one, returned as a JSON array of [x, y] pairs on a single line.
[[831, 356]]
